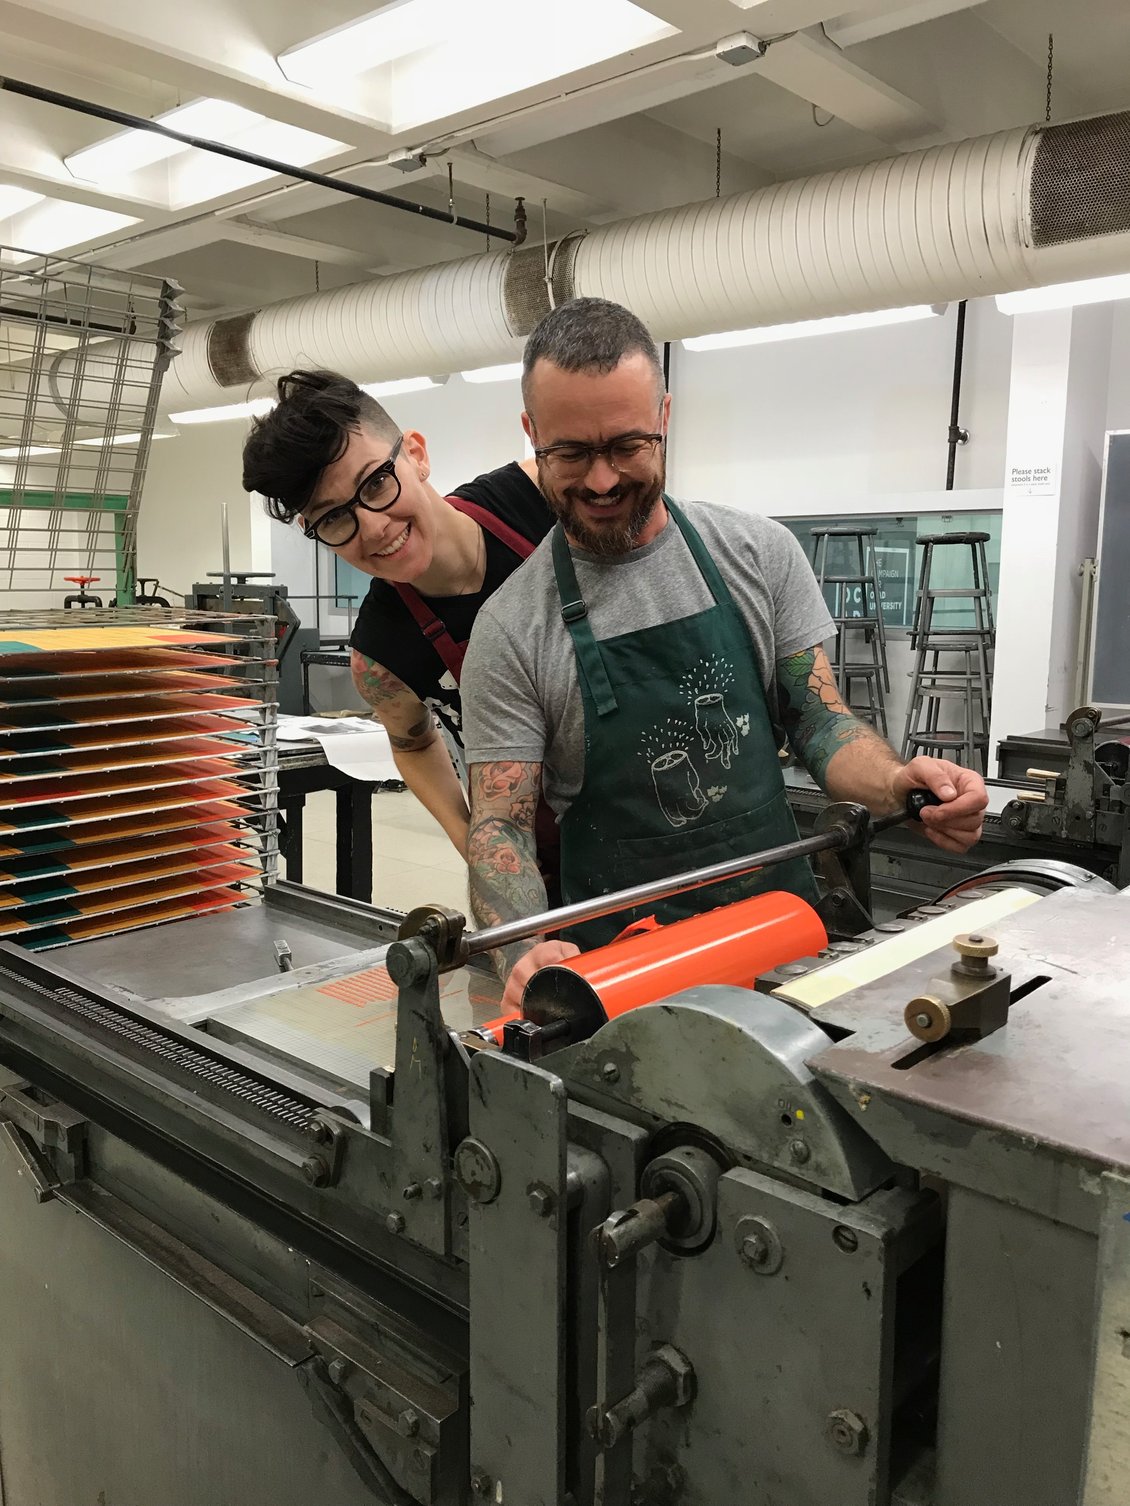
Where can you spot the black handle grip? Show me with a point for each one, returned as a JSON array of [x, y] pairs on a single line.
[[916, 803], [918, 800]]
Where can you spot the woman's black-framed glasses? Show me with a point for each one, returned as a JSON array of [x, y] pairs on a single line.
[[377, 492]]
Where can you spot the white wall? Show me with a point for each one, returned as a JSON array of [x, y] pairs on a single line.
[[784, 428]]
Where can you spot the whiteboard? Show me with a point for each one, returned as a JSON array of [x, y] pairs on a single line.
[[1110, 627]]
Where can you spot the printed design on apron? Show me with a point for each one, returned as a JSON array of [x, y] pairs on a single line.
[[679, 752]]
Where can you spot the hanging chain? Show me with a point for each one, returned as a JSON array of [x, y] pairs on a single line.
[[718, 163], [317, 277], [1051, 70], [451, 191], [487, 219]]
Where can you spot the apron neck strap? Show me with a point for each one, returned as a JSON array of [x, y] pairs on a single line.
[[575, 616], [699, 553]]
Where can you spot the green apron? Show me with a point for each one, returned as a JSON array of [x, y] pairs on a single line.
[[681, 765]]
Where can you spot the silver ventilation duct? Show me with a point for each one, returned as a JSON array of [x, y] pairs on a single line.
[[1017, 209]]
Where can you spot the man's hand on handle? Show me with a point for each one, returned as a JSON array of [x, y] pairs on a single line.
[[956, 824]]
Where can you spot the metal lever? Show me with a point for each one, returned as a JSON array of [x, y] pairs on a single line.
[[665, 1379], [625, 1233], [28, 1162], [443, 929]]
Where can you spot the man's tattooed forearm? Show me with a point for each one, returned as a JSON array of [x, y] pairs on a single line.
[[816, 720], [501, 853]]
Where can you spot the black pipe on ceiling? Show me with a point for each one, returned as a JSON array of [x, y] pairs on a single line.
[[285, 169], [957, 435]]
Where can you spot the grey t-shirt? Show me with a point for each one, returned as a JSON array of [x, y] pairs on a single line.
[[521, 697]]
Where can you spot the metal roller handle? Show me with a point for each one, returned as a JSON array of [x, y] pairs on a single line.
[[834, 839]]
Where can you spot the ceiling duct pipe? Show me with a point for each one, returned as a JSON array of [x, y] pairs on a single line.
[[1018, 209]]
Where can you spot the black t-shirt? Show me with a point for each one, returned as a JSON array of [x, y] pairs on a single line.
[[385, 629]]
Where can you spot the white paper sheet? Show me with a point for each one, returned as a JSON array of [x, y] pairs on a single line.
[[353, 744]]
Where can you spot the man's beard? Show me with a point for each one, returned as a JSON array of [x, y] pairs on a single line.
[[616, 536]]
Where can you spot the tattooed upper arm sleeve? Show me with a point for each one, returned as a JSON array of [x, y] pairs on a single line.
[[400, 711], [816, 720], [501, 852]]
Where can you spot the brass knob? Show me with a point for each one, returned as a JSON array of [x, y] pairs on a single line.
[[976, 945], [927, 1018]]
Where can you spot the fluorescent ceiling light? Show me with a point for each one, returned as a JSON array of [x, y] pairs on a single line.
[[59, 224], [121, 439], [397, 29], [18, 452], [13, 200], [253, 409], [508, 373], [405, 384], [1064, 295], [130, 150], [806, 327]]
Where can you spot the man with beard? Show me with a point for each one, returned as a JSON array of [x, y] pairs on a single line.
[[644, 664]]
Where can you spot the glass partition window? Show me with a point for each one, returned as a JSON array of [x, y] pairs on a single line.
[[898, 561], [350, 584]]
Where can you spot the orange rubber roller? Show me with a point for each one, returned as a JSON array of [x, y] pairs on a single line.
[[733, 944]]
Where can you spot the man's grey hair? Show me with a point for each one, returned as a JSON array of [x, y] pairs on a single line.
[[589, 334]]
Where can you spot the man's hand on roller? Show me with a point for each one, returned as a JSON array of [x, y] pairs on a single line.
[[545, 954]]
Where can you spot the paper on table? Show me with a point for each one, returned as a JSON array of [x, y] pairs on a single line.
[[352, 744]]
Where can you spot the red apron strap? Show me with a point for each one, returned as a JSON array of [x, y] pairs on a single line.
[[433, 629], [502, 531]]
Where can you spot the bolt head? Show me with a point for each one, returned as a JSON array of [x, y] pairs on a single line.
[[610, 1072], [316, 1171], [755, 1249], [477, 1171], [394, 1223], [412, 1192], [404, 964], [923, 1021], [337, 1370], [847, 1431], [976, 946], [481, 1482], [799, 1151], [434, 1187], [541, 1200], [319, 1131], [845, 1239], [408, 1423]]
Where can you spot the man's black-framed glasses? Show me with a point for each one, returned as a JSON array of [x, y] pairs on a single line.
[[623, 454], [377, 492]]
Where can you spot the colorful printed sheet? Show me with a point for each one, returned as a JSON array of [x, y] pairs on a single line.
[[22, 694], [128, 777], [27, 742], [131, 920], [61, 912], [172, 814], [40, 891], [152, 844], [99, 640], [145, 661]]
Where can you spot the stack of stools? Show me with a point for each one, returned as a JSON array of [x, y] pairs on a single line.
[[860, 655], [952, 665]]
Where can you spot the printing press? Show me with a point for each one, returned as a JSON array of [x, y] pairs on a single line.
[[851, 1226]]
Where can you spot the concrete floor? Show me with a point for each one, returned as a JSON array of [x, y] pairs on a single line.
[[413, 861]]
